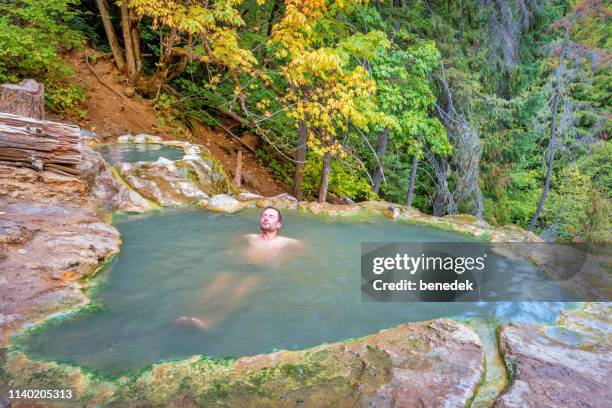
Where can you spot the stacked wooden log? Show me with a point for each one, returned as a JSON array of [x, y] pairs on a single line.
[[39, 144]]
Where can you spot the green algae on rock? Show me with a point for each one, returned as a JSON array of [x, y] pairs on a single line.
[[173, 183], [438, 362], [494, 378]]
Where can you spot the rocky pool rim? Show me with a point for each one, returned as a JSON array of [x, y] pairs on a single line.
[[90, 284]]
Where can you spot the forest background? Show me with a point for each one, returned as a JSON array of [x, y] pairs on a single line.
[[495, 108]]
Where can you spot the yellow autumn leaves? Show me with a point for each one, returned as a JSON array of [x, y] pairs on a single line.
[[328, 88]]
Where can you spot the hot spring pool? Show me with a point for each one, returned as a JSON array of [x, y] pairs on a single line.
[[132, 153], [169, 259]]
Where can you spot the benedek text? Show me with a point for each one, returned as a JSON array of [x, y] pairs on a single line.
[[405, 284]]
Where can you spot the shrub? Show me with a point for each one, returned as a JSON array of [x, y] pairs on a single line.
[[32, 36], [578, 207], [343, 181]]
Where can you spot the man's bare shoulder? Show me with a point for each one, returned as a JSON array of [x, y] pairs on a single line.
[[289, 241]]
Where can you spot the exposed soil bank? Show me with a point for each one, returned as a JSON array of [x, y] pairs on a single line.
[[112, 114]]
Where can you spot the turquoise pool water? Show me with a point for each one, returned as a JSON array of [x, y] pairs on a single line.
[[132, 153], [195, 264]]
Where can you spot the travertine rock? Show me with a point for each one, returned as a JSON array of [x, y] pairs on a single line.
[[437, 363], [549, 371], [44, 249]]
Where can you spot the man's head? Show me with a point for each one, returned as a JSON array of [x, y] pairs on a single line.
[[270, 219]]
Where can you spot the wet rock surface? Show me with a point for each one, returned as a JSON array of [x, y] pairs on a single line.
[[44, 249], [224, 203], [281, 201], [177, 183], [566, 365], [329, 209], [114, 194], [437, 363], [230, 204], [161, 182]]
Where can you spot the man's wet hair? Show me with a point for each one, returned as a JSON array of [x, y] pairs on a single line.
[[280, 216]]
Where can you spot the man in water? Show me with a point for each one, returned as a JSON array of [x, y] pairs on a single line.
[[266, 247]]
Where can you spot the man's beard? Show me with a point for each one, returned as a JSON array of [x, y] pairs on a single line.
[[267, 229]]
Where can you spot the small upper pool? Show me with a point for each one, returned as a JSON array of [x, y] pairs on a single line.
[[196, 264], [135, 152]]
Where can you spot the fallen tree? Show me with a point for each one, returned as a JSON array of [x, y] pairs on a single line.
[[39, 144]]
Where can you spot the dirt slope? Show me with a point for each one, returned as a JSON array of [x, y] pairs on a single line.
[[111, 114]]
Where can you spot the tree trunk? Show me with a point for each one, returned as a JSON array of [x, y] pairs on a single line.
[[440, 197], [300, 159], [397, 4], [327, 158], [27, 99], [413, 173], [478, 203], [135, 33], [380, 152], [127, 40], [39, 144], [110, 34], [275, 8], [553, 131], [238, 173], [163, 73], [551, 158]]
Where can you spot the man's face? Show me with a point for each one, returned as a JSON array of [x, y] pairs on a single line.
[[268, 222]]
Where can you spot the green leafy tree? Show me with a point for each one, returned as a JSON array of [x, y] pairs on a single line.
[[328, 88], [405, 96]]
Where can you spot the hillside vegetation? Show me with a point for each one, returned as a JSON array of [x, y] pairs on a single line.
[[500, 109]]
